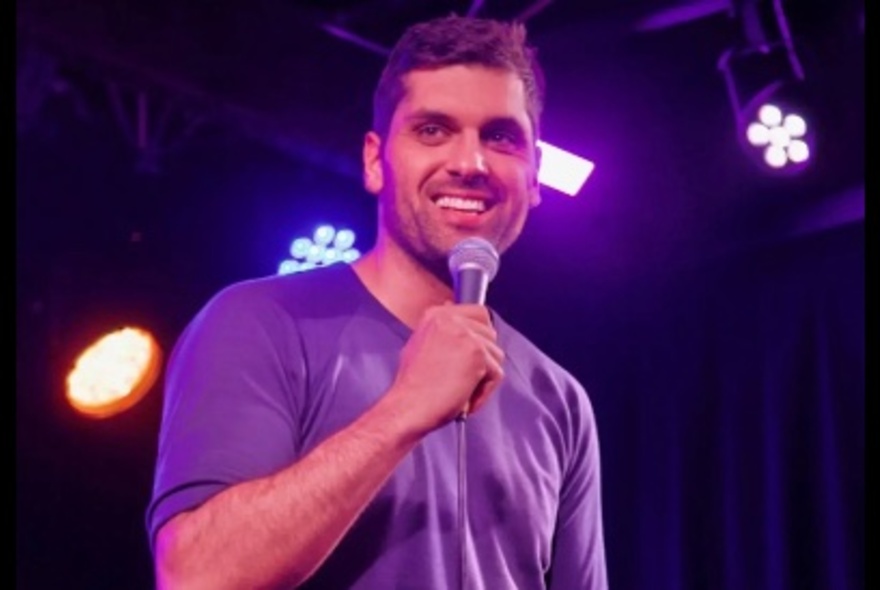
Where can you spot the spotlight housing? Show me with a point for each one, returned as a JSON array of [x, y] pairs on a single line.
[[764, 80]]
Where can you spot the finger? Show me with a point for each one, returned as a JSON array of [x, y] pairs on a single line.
[[487, 385], [485, 332], [472, 311], [496, 353], [483, 393], [492, 354]]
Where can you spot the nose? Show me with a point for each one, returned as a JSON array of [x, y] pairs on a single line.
[[467, 159]]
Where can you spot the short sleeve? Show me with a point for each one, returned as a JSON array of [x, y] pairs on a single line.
[[233, 392], [578, 546]]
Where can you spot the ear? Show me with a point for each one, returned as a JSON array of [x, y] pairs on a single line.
[[535, 197], [372, 159]]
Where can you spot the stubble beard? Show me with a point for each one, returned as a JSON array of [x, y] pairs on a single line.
[[423, 238], [418, 239]]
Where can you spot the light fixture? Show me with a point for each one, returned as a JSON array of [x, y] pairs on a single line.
[[764, 80], [781, 136], [326, 246], [114, 372], [562, 170]]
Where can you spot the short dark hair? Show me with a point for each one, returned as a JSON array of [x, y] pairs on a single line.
[[459, 40]]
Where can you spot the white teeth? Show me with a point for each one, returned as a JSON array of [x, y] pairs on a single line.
[[461, 204]]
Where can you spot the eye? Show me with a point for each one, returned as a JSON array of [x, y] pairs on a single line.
[[501, 137], [431, 133], [503, 140]]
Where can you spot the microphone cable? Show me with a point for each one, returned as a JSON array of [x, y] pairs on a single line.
[[462, 500], [473, 263]]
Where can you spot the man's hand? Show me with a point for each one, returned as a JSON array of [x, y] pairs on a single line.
[[451, 364]]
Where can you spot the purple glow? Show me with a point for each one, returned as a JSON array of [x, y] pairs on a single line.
[[686, 12], [563, 170]]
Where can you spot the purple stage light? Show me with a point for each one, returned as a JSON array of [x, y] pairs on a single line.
[[563, 170]]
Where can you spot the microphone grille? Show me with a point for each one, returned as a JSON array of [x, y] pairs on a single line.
[[476, 252]]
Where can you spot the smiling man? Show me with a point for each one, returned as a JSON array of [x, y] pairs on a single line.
[[309, 436]]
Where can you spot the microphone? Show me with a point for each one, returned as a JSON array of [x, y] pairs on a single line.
[[473, 262]]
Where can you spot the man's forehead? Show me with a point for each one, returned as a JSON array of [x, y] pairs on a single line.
[[459, 89], [424, 78]]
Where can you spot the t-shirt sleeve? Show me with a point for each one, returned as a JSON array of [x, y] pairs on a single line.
[[578, 545], [233, 388]]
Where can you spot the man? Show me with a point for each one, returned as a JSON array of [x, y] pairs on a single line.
[[309, 436]]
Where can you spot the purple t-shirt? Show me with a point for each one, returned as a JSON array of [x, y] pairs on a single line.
[[271, 367]]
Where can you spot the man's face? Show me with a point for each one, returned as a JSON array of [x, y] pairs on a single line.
[[459, 160]]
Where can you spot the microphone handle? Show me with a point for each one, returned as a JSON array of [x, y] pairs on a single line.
[[471, 284]]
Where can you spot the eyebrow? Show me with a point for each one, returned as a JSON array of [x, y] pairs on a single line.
[[507, 123], [429, 115]]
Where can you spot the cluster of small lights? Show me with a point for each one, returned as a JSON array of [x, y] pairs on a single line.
[[781, 136], [327, 246]]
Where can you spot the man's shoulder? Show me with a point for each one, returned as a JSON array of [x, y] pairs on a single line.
[[307, 293], [527, 355], [533, 369]]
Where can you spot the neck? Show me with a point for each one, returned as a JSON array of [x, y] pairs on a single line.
[[400, 283]]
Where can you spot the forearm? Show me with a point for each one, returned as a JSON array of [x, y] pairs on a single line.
[[276, 531]]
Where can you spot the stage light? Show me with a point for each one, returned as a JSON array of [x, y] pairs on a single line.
[[324, 234], [114, 373], [774, 129], [781, 137], [300, 247], [764, 81], [344, 240], [563, 170], [327, 246]]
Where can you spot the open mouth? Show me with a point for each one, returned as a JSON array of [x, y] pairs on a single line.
[[463, 204]]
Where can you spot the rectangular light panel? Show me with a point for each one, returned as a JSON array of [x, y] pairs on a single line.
[[563, 170]]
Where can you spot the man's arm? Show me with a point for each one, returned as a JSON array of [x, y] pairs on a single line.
[[277, 530]]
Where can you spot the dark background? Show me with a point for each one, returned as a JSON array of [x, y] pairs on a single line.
[[715, 313]]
